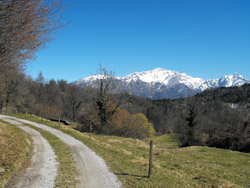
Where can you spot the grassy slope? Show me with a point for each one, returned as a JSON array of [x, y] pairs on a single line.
[[177, 167], [14, 150]]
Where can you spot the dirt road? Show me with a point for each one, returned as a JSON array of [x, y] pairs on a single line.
[[43, 168], [92, 169]]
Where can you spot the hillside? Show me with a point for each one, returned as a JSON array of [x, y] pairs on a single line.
[[172, 166], [222, 116]]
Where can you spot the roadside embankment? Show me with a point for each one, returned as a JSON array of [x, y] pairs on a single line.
[[15, 146]]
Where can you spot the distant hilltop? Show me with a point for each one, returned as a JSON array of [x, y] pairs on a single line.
[[161, 83]]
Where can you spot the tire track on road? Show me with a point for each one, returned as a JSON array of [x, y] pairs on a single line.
[[42, 171]]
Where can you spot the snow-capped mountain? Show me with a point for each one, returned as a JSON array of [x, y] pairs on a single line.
[[164, 77], [161, 83], [225, 81]]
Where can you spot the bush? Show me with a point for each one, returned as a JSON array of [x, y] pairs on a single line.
[[130, 125]]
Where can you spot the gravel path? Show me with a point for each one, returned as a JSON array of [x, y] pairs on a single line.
[[43, 169], [93, 171]]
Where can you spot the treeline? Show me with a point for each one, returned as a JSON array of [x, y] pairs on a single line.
[[98, 109], [217, 117], [47, 99]]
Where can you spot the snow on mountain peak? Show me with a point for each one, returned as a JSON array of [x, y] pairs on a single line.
[[232, 80], [159, 80], [165, 77], [156, 75]]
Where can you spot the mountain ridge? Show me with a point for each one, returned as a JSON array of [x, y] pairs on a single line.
[[161, 83]]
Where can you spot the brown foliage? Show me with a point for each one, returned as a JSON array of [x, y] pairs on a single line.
[[46, 111], [125, 124], [26, 26]]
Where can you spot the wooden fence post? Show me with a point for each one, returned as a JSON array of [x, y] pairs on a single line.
[[150, 158]]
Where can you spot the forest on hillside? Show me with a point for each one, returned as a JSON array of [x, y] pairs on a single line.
[[216, 117]]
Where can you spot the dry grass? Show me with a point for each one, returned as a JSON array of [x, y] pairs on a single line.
[[14, 151]]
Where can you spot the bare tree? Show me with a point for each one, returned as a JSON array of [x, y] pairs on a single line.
[[105, 104], [26, 26], [11, 90], [73, 102]]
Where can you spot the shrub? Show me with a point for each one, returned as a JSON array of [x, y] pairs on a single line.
[[125, 124]]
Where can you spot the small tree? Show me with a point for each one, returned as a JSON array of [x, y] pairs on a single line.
[[148, 126], [187, 129], [106, 106], [125, 124], [73, 100]]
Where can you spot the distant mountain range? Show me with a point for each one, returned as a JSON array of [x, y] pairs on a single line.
[[160, 83]]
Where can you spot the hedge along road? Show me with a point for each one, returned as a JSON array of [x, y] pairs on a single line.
[[92, 169]]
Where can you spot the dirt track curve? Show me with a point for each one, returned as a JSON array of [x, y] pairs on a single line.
[[43, 168], [92, 169]]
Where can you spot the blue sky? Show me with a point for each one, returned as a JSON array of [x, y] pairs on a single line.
[[203, 38]]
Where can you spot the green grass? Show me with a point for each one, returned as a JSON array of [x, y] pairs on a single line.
[[172, 166], [166, 141], [15, 146]]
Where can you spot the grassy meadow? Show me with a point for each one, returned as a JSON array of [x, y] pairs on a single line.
[[172, 166]]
